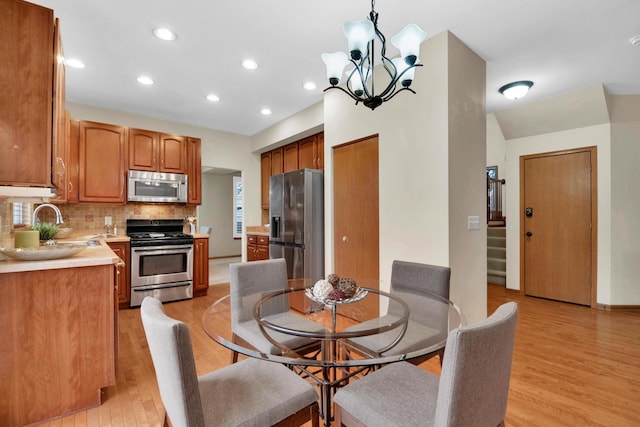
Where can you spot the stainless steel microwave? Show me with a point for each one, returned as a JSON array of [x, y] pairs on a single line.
[[157, 187]]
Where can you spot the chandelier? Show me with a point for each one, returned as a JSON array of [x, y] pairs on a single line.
[[361, 37]]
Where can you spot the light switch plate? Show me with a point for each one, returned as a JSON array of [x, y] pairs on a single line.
[[473, 223]]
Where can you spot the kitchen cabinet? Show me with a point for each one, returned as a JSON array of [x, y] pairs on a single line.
[[194, 171], [277, 161], [59, 340], [290, 155], [200, 266], [60, 176], [265, 173], [102, 171], [257, 247], [26, 83], [123, 279], [158, 152], [311, 152]]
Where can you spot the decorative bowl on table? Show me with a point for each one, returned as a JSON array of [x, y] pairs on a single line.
[[335, 290], [61, 250]]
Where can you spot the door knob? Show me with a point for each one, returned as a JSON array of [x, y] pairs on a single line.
[[529, 234], [344, 239]]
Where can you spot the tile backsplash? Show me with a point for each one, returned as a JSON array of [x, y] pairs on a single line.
[[90, 216]]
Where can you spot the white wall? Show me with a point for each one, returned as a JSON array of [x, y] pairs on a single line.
[[417, 162], [219, 149], [496, 145], [217, 211]]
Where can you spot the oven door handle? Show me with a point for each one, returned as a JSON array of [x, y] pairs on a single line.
[[162, 249], [158, 286]]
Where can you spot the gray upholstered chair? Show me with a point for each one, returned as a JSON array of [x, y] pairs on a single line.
[[471, 391], [250, 393], [249, 282], [408, 278]]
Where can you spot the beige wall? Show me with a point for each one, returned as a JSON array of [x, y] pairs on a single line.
[[428, 143], [625, 199]]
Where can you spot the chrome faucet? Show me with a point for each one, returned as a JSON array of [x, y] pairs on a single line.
[[59, 219]]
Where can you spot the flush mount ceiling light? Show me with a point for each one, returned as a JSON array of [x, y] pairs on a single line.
[[516, 90], [213, 97], [361, 37], [164, 34], [249, 64], [635, 40], [265, 111], [309, 85]]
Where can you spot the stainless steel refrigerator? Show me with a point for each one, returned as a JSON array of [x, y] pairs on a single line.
[[296, 211]]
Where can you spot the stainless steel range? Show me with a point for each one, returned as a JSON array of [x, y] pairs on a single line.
[[161, 260]]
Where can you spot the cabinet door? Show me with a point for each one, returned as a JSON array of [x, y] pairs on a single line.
[[262, 248], [277, 161], [194, 171], [59, 177], [320, 151], [291, 157], [102, 163], [26, 99], [122, 250], [200, 266], [143, 149], [173, 154], [307, 157], [265, 173]]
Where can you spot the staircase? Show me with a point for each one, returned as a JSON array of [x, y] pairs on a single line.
[[497, 255]]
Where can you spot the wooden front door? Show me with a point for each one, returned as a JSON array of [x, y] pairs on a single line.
[[356, 213], [558, 225]]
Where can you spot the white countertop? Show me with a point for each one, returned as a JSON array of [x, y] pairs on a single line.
[[91, 256]]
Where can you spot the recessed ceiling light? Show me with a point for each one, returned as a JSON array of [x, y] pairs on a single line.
[[635, 40], [213, 98], [309, 85], [516, 90], [249, 64], [74, 63], [164, 34], [265, 111], [145, 80]]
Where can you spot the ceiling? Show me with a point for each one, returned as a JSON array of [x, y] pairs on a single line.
[[560, 45]]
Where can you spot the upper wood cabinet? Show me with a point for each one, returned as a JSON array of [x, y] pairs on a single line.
[[26, 103], [173, 154], [265, 173], [311, 152], [194, 171], [60, 166], [154, 151], [102, 163], [290, 157], [277, 161]]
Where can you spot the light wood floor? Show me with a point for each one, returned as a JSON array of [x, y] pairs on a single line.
[[572, 366]]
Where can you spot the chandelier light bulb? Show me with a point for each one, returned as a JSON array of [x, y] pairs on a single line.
[[408, 42], [358, 34]]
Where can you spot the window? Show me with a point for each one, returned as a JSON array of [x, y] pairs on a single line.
[[237, 207], [21, 214]]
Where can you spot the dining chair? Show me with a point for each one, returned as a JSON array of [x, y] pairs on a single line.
[[426, 324], [249, 393], [249, 282], [471, 391]]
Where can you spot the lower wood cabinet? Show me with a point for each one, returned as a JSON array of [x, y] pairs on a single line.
[[200, 266], [122, 249], [257, 247]]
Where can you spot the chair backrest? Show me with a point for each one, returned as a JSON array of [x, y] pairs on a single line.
[[416, 277], [409, 278], [474, 384], [249, 281], [170, 345]]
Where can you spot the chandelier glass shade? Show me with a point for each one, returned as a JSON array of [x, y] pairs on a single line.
[[360, 84]]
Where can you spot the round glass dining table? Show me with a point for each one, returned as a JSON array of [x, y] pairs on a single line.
[[352, 336]]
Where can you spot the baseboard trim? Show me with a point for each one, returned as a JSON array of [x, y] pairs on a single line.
[[225, 256], [608, 307]]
